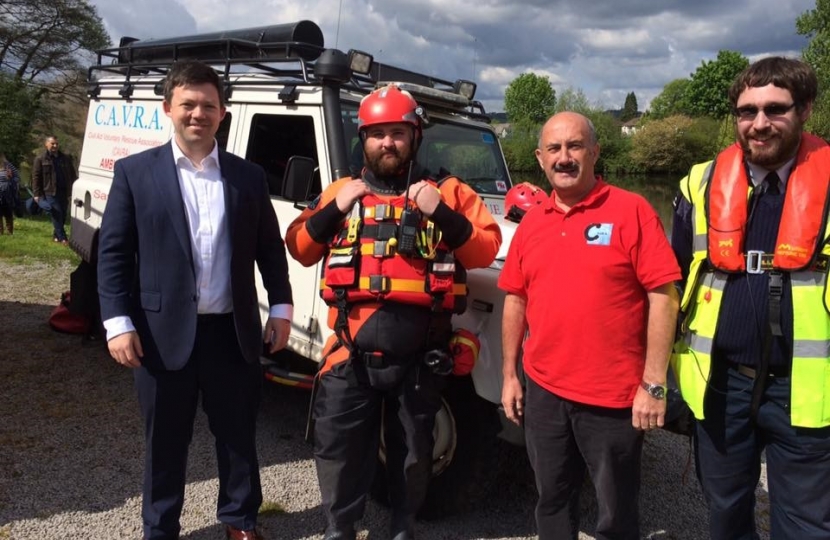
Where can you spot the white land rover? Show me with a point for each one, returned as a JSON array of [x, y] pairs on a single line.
[[292, 102]]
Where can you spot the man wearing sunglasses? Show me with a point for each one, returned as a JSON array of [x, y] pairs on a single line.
[[753, 358]]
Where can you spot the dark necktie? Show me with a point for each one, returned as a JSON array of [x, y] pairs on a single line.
[[772, 181]]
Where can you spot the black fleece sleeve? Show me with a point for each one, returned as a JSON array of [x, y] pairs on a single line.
[[455, 227], [324, 224]]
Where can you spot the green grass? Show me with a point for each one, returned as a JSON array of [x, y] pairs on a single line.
[[32, 242]]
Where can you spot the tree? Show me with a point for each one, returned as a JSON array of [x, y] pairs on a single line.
[[520, 146], [529, 97], [42, 53], [629, 110], [815, 25], [19, 105], [707, 92], [573, 99], [41, 41], [671, 101], [675, 143]]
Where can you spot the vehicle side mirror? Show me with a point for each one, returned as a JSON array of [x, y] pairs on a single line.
[[299, 175]]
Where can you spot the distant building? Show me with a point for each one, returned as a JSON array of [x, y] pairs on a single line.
[[502, 130], [630, 128]]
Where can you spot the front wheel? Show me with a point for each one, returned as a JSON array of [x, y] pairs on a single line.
[[465, 456]]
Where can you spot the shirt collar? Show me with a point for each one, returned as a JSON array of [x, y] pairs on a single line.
[[210, 159], [758, 173], [599, 189]]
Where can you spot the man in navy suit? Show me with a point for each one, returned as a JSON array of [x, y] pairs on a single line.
[[184, 224]]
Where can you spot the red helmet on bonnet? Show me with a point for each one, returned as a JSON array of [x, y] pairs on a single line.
[[521, 198]]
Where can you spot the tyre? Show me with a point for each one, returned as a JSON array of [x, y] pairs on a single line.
[[465, 457]]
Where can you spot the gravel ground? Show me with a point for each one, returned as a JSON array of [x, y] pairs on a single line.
[[71, 451]]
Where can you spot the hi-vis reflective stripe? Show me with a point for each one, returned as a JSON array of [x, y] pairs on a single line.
[[443, 268], [701, 344], [700, 242], [803, 348], [341, 256], [404, 285], [808, 279]]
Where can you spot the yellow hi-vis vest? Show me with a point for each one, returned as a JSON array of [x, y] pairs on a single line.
[[691, 358]]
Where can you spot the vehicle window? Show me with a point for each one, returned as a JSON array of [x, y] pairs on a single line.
[[463, 150], [274, 139], [223, 132]]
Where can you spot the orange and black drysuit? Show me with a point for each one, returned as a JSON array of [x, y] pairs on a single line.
[[387, 310]]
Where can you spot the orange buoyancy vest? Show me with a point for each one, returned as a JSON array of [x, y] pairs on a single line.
[[802, 222], [363, 264]]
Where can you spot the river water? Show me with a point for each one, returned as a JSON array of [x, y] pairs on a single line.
[[659, 190]]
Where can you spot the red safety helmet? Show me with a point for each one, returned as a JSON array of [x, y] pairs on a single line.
[[387, 105], [521, 198]]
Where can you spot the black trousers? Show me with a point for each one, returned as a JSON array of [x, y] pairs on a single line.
[[230, 390], [350, 404], [563, 439]]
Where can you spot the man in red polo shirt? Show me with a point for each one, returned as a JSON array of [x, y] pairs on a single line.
[[590, 284]]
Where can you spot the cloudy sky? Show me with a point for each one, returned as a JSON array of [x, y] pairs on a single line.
[[605, 47]]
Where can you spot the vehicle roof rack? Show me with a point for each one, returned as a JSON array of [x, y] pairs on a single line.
[[283, 51]]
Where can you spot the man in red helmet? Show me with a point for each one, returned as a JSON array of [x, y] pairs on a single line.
[[396, 245]]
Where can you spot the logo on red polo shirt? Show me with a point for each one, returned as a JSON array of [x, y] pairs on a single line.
[[599, 234]]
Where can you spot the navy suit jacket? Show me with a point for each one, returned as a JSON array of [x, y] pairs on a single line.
[[145, 261]]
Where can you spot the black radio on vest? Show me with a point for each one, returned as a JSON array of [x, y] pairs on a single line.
[[408, 231]]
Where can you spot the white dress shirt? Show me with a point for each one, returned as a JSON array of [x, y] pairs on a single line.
[[203, 196]]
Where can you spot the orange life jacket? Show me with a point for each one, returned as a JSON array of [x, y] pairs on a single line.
[[802, 221], [363, 264]]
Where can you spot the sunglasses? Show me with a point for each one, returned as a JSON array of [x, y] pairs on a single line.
[[770, 111]]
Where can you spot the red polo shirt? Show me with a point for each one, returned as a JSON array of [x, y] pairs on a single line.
[[585, 275]]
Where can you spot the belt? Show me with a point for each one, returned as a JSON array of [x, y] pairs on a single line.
[[751, 372]]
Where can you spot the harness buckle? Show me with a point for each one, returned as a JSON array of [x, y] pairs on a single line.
[[379, 284], [381, 249], [384, 212], [753, 261]]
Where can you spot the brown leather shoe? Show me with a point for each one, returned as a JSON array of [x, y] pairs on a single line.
[[232, 533]]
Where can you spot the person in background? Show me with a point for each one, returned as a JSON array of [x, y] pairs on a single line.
[[753, 361], [52, 176], [591, 309], [396, 244], [9, 193], [185, 228]]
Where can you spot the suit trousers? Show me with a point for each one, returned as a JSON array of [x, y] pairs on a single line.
[[563, 439], [230, 390], [728, 446]]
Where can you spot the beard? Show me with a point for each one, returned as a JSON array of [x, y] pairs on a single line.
[[781, 145], [387, 162]]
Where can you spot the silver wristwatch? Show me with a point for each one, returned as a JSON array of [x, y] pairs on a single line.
[[657, 391]]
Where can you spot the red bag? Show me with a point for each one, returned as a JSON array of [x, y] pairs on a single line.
[[62, 320], [464, 346]]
